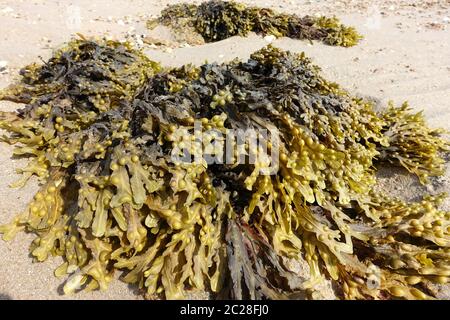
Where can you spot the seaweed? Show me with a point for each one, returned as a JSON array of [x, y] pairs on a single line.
[[116, 194], [217, 20], [412, 144]]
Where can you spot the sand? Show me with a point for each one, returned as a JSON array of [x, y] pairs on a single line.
[[405, 56]]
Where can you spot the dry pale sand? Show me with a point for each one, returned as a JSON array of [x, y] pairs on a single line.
[[405, 56]]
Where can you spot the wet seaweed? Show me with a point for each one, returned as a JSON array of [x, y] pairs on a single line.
[[114, 198], [217, 20]]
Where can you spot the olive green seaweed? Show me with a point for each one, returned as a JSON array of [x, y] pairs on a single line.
[[218, 20], [100, 125]]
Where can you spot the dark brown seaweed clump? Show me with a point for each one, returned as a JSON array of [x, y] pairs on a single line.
[[218, 20], [115, 196]]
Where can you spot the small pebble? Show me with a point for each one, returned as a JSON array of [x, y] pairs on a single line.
[[269, 38], [3, 65]]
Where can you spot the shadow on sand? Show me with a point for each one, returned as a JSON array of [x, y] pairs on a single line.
[[4, 296]]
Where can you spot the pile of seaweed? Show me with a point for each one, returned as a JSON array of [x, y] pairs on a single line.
[[217, 20], [100, 127]]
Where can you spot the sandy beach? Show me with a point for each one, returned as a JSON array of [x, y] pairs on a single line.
[[405, 56]]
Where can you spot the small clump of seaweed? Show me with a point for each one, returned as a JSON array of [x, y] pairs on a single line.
[[114, 196], [217, 20]]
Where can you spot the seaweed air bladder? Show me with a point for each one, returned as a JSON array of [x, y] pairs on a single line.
[[120, 147]]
